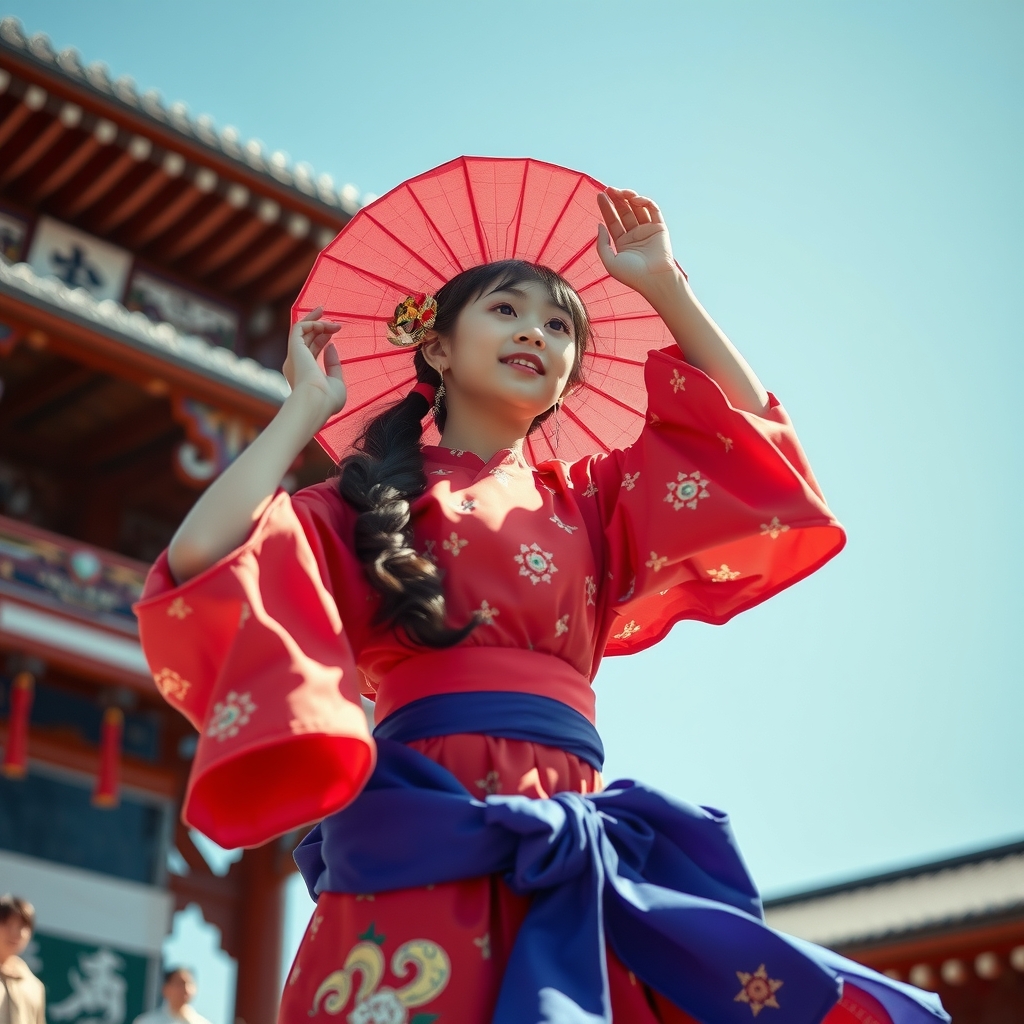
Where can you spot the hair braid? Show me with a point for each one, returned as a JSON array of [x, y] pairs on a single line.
[[380, 480]]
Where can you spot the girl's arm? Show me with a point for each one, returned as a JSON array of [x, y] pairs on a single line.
[[642, 259], [224, 515]]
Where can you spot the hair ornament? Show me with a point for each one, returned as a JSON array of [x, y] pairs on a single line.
[[414, 316]]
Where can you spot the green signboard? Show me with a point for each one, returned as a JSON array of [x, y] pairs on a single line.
[[88, 983]]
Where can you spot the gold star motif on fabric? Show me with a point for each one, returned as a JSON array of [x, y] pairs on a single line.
[[656, 562], [758, 990], [726, 441], [454, 544], [628, 630], [723, 574], [678, 381], [773, 528]]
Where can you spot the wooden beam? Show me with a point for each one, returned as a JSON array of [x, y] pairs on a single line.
[[70, 752], [39, 397], [153, 227], [261, 261], [122, 163], [87, 148], [146, 367], [44, 141], [233, 242], [196, 233], [284, 279], [130, 433], [13, 121], [119, 208]]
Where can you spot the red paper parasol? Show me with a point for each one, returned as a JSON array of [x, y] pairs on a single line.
[[470, 211]]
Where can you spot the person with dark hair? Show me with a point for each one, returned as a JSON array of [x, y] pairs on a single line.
[[179, 989], [22, 996], [561, 455]]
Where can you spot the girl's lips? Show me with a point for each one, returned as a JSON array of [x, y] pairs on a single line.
[[516, 362]]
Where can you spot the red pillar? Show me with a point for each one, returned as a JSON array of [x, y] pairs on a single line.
[[260, 931]]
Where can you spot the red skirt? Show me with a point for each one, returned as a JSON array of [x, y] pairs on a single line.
[[416, 956]]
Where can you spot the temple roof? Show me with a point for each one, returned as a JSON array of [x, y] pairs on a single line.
[[941, 894], [248, 154]]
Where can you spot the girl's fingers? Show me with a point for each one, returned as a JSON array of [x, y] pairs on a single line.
[[604, 246], [650, 208], [332, 364], [624, 209], [313, 314], [611, 216]]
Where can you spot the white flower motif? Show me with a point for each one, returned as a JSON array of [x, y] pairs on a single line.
[[490, 783], [591, 490], [535, 563], [430, 549], [457, 452], [773, 529], [656, 561], [484, 945], [687, 489], [501, 476], [229, 715], [628, 630], [171, 685], [727, 441], [629, 480], [441, 472], [678, 381], [467, 505], [723, 574], [485, 613], [564, 526], [591, 589], [562, 626], [454, 544], [178, 609], [383, 1007]]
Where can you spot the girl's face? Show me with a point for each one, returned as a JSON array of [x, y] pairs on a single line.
[[14, 936], [512, 345]]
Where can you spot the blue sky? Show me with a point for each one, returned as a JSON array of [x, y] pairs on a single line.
[[843, 185]]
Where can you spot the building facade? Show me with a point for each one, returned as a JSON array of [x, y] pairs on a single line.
[[148, 261]]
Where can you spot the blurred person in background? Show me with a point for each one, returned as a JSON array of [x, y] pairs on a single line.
[[22, 996], [179, 990]]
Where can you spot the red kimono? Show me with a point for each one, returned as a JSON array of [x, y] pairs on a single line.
[[711, 511]]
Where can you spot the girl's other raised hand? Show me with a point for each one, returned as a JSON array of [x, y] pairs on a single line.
[[633, 241], [324, 385]]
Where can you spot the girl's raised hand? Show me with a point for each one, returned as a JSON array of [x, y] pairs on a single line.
[[308, 338], [634, 226]]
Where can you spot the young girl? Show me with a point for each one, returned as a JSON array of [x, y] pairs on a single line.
[[478, 869]]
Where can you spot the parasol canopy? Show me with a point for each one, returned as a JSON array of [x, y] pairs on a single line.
[[470, 211]]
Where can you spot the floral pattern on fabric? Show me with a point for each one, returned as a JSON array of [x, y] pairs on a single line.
[[536, 564], [230, 715]]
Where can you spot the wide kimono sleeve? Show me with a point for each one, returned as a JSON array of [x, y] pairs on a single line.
[[254, 653], [710, 512]]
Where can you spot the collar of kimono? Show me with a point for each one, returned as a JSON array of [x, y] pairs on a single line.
[[661, 881]]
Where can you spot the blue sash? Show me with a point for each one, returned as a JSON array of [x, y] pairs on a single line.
[[660, 880], [516, 716]]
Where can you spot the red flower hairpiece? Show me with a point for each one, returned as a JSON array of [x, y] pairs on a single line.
[[414, 316]]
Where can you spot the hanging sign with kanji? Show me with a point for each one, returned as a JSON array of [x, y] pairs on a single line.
[[79, 260]]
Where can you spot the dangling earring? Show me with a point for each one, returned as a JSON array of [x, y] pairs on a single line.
[[558, 423], [438, 399]]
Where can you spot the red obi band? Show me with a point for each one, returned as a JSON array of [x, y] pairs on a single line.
[[489, 669]]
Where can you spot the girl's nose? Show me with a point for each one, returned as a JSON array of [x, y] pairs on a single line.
[[532, 336]]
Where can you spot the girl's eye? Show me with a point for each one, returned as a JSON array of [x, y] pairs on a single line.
[[559, 325], [504, 307]]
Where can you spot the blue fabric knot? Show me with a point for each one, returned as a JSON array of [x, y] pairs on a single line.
[[661, 881]]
